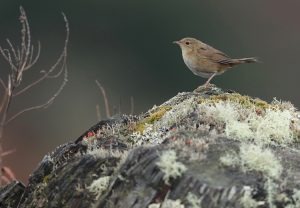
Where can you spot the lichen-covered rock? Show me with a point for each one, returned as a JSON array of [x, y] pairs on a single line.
[[207, 148], [11, 194]]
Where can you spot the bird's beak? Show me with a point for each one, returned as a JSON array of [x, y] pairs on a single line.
[[176, 42]]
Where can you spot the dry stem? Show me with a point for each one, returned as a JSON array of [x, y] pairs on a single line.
[[21, 59]]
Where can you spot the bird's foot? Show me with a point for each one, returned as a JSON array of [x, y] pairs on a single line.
[[204, 87]]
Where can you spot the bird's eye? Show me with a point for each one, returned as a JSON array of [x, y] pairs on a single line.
[[187, 43]]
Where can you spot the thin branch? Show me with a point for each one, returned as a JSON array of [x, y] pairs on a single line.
[[98, 113], [21, 58], [5, 180], [31, 57], [2, 104], [12, 49], [19, 54], [6, 104], [4, 54], [2, 83], [28, 38], [25, 46], [54, 66], [102, 90], [25, 41], [31, 85], [44, 105], [10, 86], [8, 152], [56, 75], [4, 96], [36, 57], [7, 172], [8, 58]]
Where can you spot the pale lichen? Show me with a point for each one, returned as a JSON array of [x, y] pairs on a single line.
[[230, 159], [270, 124], [148, 136], [247, 200], [253, 157], [271, 189], [193, 200], [296, 200], [237, 117], [274, 125], [169, 165], [178, 112], [99, 185]]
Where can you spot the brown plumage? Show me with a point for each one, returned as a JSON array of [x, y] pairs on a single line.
[[206, 61]]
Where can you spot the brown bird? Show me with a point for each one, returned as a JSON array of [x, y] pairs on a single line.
[[206, 61]]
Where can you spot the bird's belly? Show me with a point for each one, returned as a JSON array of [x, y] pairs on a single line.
[[204, 70]]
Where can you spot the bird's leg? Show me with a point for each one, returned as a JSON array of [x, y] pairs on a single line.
[[210, 78]]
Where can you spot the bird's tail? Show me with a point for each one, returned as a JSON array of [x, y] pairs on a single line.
[[247, 60], [233, 62]]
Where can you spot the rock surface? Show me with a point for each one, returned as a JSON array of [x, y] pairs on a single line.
[[207, 148]]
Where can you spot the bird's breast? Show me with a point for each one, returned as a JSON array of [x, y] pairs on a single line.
[[200, 65]]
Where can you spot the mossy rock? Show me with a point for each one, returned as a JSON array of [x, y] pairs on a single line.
[[207, 148]]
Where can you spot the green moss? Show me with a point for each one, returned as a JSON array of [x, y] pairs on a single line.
[[155, 116], [46, 179], [243, 100]]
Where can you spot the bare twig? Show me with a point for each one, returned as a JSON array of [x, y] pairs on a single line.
[[6, 55], [26, 42], [7, 172], [44, 105], [5, 107], [21, 58], [2, 83], [12, 49], [2, 104], [98, 113], [60, 60], [5, 180], [24, 61], [8, 152], [37, 56], [102, 90]]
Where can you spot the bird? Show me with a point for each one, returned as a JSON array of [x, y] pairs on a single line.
[[205, 61]]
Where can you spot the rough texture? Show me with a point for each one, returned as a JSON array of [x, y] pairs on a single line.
[[206, 148], [11, 194]]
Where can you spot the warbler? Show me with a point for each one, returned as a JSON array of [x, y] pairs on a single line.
[[206, 61]]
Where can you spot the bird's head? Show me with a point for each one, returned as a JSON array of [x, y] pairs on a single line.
[[188, 44]]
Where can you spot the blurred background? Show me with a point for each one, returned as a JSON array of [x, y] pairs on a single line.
[[127, 46]]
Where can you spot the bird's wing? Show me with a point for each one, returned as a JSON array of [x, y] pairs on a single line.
[[213, 54]]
